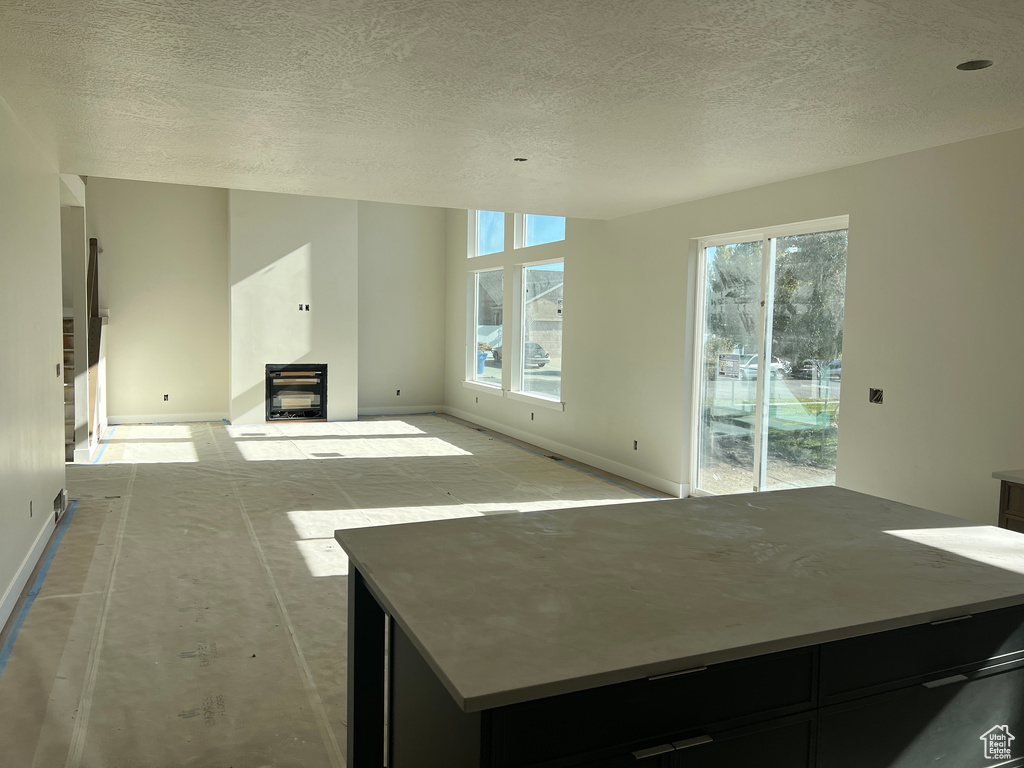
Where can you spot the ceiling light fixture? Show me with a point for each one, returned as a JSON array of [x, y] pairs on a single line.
[[969, 66], [519, 159]]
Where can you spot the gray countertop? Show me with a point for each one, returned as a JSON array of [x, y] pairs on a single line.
[[516, 606], [1013, 475]]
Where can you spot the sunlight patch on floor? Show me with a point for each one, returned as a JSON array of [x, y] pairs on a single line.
[[324, 429], [322, 523], [153, 432], [157, 453], [349, 448], [491, 508], [323, 557]]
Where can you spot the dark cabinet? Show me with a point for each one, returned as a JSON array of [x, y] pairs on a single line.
[[715, 716], [962, 721], [649, 713], [946, 693], [779, 744], [875, 663], [783, 743], [1011, 506]]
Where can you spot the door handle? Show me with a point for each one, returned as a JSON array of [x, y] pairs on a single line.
[[661, 749], [696, 741], [944, 681]]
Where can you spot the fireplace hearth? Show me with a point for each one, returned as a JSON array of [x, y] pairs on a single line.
[[296, 392]]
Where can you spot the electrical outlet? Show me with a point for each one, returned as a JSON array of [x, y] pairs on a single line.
[[478, 399], [531, 417], [398, 393], [300, 307], [307, 307], [634, 445], [58, 370], [874, 396], [166, 398]]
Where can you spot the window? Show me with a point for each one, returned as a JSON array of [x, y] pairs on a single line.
[[486, 361], [769, 359], [541, 351], [534, 334], [490, 232], [538, 230]]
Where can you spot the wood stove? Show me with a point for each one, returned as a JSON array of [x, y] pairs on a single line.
[[297, 392]]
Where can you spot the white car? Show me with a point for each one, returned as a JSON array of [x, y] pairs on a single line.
[[780, 368]]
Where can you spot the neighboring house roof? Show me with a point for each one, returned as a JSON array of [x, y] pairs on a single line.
[[489, 335]]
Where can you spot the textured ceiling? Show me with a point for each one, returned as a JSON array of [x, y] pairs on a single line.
[[620, 105]]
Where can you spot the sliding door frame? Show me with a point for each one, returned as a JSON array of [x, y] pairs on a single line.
[[768, 237]]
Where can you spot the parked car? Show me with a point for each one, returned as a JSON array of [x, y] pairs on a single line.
[[808, 369], [533, 354], [813, 367], [748, 367]]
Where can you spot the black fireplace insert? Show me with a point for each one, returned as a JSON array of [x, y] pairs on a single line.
[[297, 391]]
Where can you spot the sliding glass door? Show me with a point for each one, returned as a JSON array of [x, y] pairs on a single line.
[[769, 359]]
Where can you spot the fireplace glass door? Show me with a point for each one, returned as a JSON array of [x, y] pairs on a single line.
[[297, 391]]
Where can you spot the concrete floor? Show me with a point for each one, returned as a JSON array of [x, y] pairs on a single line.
[[194, 613]]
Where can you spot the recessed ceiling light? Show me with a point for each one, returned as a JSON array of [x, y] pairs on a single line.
[[968, 66], [519, 159]]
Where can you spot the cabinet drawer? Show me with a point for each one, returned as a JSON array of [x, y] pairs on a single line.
[[562, 730], [920, 726], [785, 743], [1012, 498], [874, 663], [773, 746]]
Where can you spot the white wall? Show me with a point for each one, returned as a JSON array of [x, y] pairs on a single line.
[[204, 285], [933, 316], [287, 250], [164, 277], [31, 393], [70, 232], [401, 307], [613, 366]]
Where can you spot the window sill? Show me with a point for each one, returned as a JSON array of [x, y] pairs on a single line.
[[490, 389], [543, 402]]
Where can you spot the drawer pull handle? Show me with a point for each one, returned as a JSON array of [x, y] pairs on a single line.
[[950, 621], [694, 742], [677, 674], [661, 749], [945, 681]]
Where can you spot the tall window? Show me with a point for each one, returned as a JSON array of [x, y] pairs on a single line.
[[769, 366], [490, 232], [541, 358], [489, 296], [538, 230]]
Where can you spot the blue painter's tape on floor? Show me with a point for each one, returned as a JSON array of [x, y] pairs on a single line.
[[110, 433], [5, 652]]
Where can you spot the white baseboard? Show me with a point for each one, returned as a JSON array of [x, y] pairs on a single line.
[[166, 418], [400, 410], [676, 490], [15, 588]]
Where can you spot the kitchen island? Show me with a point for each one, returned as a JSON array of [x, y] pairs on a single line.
[[809, 627]]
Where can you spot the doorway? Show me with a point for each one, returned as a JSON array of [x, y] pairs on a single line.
[[769, 355]]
